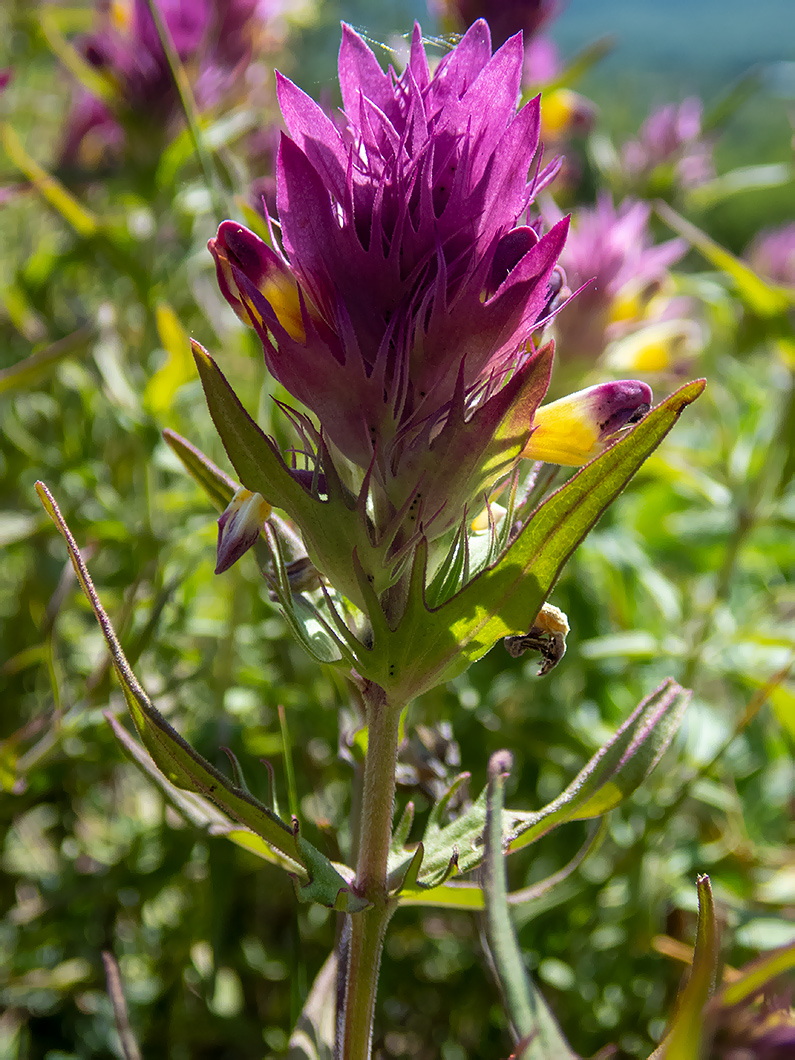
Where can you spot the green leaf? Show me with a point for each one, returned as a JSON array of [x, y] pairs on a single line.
[[535, 1029], [307, 624], [43, 362], [429, 646], [754, 977], [194, 808], [454, 895], [218, 486], [331, 529], [765, 299], [92, 79], [617, 769], [685, 1038], [613, 773], [457, 845], [186, 769], [313, 1036], [736, 181]]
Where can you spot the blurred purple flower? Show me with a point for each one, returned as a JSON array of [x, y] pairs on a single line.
[[609, 250], [505, 17], [212, 38], [402, 307], [672, 136], [760, 1029], [772, 254]]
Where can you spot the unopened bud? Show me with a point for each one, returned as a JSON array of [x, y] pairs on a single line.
[[239, 527], [577, 428]]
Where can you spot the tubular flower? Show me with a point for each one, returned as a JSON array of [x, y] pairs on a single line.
[[772, 254], [574, 429], [671, 136], [411, 275], [239, 527]]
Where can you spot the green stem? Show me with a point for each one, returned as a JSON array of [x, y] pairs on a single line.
[[367, 929]]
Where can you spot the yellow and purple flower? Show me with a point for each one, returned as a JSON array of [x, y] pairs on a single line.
[[239, 527]]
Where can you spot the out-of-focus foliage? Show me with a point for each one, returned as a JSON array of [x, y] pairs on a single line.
[[103, 275]]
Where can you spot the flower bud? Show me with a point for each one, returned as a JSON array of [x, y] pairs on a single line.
[[241, 255], [578, 427], [239, 527]]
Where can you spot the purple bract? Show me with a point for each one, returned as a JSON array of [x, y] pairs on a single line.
[[406, 269]]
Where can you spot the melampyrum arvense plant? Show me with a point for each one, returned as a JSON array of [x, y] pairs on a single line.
[[402, 302]]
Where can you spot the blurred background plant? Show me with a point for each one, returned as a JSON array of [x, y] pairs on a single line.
[[103, 275]]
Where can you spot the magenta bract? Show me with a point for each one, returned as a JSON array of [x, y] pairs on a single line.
[[407, 268]]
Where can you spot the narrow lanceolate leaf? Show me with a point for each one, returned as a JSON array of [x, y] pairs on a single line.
[[755, 976], [188, 770], [615, 771], [43, 362], [765, 299], [430, 646], [218, 486], [313, 1035], [194, 808], [50, 189], [253, 455], [685, 1039], [534, 1026], [97, 83]]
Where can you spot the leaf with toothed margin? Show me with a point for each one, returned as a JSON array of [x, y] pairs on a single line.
[[429, 646], [612, 775], [325, 882], [461, 895], [332, 528], [455, 846], [409, 881], [186, 769], [199, 811]]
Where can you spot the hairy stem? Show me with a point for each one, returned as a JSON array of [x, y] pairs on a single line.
[[365, 931]]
